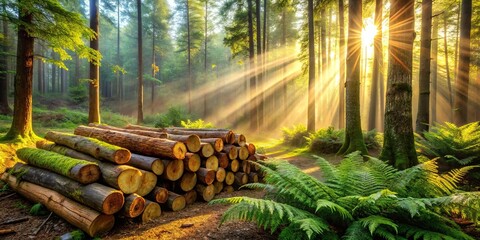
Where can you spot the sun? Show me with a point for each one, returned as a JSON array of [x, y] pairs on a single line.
[[368, 32]]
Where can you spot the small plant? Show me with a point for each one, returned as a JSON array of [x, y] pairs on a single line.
[[326, 140], [199, 123], [357, 200], [38, 210], [78, 94], [295, 136], [172, 118]]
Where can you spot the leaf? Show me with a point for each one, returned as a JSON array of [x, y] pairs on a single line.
[[372, 222]]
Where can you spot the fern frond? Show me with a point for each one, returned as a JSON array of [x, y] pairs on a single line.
[[374, 221], [384, 233], [329, 172], [312, 226], [357, 232], [412, 232], [333, 207]]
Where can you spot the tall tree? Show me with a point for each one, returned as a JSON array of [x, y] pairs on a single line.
[[189, 58], [94, 83], [140, 62], [259, 63], [353, 132], [434, 71], [423, 115], [463, 70], [341, 95], [311, 69], [251, 57], [376, 95], [4, 107], [447, 68], [399, 148]]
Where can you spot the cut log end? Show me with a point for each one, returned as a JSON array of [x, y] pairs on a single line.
[[206, 175], [243, 153], [188, 181], [122, 156], [86, 173], [229, 178], [190, 196], [159, 194], [218, 187], [193, 143], [174, 169], [113, 203], [134, 205], [192, 162], [129, 180], [158, 167], [151, 212], [102, 224], [149, 181], [176, 202], [230, 137], [179, 150], [207, 150], [207, 192], [212, 163], [220, 175]]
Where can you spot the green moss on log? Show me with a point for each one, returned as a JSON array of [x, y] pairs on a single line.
[[49, 160], [97, 142]]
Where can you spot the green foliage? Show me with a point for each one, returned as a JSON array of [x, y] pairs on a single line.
[[173, 117], [357, 200], [73, 235], [199, 123], [295, 136], [78, 94], [38, 210], [327, 140]]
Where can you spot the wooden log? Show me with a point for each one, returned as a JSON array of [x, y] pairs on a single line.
[[245, 167], [134, 206], [6, 231], [226, 135], [206, 176], [206, 191], [191, 141], [88, 220], [222, 160], [147, 163], [101, 198], [153, 134], [91, 146], [243, 153], [220, 175], [190, 197], [240, 140], [173, 169], [175, 202], [188, 181], [79, 170], [148, 183], [152, 211], [158, 194], [125, 178], [234, 165], [206, 150], [217, 143], [192, 162], [138, 127], [252, 177], [231, 150], [251, 148], [211, 163], [241, 179], [149, 146], [218, 186], [229, 178], [228, 189]]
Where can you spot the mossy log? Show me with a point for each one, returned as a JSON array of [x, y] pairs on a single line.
[[241, 179], [192, 162], [174, 169], [234, 165], [231, 150], [125, 178], [94, 147], [206, 191], [188, 181], [218, 186], [206, 150], [217, 143], [251, 148], [148, 183], [252, 177], [220, 174], [228, 189], [175, 202], [243, 153], [245, 167], [134, 205], [132, 131], [79, 170], [210, 163], [191, 141], [222, 159], [152, 211], [88, 220], [240, 140], [229, 178], [158, 194], [227, 136], [190, 196], [147, 163], [97, 196], [157, 147], [206, 175]]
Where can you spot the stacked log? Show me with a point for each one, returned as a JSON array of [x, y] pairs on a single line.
[[133, 172]]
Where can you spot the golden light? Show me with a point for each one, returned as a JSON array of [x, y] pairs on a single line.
[[368, 32]]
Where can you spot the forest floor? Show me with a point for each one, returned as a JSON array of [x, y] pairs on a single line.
[[198, 221]]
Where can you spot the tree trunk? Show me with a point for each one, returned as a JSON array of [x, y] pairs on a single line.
[[134, 205], [463, 70], [94, 85], [399, 148], [152, 164], [377, 76], [152, 211], [118, 60], [447, 68], [253, 81], [97, 149], [341, 96], [88, 220], [154, 134], [323, 46], [311, 70], [4, 107], [205, 41], [54, 74], [259, 64], [188, 181], [423, 114], [206, 191], [22, 103], [125, 178], [148, 183], [175, 202], [140, 63], [353, 132], [158, 194], [434, 71], [189, 59], [156, 147], [101, 198]]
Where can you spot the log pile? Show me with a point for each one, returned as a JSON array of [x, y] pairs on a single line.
[[102, 173]]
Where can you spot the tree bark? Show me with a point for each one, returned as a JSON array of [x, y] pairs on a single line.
[[175, 202], [205, 175], [423, 114], [222, 160], [101, 198], [447, 68], [353, 132], [158, 194], [399, 147], [377, 75], [190, 197], [251, 63], [94, 85], [434, 71], [259, 64], [4, 107], [341, 96], [217, 143], [88, 220], [241, 179], [311, 70], [140, 63], [156, 147], [189, 59], [152, 164], [134, 205], [218, 186]]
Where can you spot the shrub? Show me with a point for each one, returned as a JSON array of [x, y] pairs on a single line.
[[295, 136], [78, 94], [173, 117], [199, 123], [329, 140], [357, 200]]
